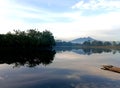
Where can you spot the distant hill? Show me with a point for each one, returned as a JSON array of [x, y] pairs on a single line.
[[81, 40]]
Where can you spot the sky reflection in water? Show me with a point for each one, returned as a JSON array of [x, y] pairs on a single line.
[[70, 69]]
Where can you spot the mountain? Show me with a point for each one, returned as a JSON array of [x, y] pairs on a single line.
[[81, 40]]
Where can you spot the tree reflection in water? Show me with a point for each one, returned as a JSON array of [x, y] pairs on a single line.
[[26, 57], [86, 51]]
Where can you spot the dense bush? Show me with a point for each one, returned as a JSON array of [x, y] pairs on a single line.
[[27, 39]]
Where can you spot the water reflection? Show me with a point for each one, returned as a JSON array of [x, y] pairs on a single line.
[[88, 64], [77, 68], [86, 51], [26, 57]]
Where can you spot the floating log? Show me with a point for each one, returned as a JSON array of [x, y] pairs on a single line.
[[111, 68]]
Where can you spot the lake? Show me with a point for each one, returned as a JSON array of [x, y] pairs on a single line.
[[65, 68]]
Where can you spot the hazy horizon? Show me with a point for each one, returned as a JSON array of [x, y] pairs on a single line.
[[66, 19], [68, 39]]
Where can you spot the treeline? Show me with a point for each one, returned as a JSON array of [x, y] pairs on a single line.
[[100, 43], [27, 39], [63, 43], [87, 43]]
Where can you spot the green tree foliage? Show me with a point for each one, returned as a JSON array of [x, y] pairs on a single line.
[[63, 43], [107, 43], [87, 43], [97, 43], [114, 43], [27, 39]]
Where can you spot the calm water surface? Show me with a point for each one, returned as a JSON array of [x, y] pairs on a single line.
[[75, 68]]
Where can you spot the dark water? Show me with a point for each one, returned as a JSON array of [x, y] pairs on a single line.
[[68, 68]]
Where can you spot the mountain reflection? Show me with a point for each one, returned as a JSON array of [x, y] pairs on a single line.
[[86, 51], [26, 57]]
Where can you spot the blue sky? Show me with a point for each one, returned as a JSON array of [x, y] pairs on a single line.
[[66, 19]]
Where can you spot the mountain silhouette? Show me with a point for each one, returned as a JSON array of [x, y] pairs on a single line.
[[81, 40]]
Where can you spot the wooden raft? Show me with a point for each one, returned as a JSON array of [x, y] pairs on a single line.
[[111, 68]]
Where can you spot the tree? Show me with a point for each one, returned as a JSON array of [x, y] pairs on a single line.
[[107, 43], [32, 38], [97, 43], [48, 38], [114, 43], [87, 43]]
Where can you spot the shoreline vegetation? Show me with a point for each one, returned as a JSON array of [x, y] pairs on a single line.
[[27, 48], [90, 44], [30, 39], [33, 39]]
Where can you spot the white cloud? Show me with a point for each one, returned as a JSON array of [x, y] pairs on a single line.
[[14, 16], [96, 26], [98, 4]]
